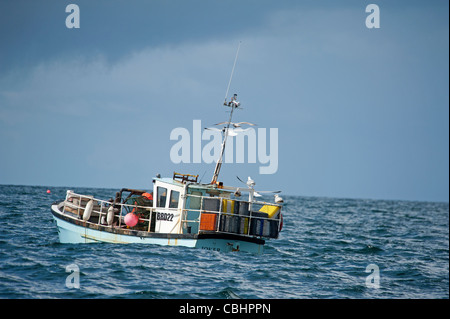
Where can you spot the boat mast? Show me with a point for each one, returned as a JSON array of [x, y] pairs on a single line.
[[233, 104]]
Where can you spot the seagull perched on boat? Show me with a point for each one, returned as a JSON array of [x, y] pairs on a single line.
[[278, 199], [250, 182]]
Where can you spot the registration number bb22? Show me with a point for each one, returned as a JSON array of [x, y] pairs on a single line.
[[164, 216]]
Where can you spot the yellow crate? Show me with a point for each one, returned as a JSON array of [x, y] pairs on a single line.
[[270, 210]]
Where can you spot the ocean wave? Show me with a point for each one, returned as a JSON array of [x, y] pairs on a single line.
[[322, 252]]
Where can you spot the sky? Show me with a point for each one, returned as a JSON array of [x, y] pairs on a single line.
[[360, 112]]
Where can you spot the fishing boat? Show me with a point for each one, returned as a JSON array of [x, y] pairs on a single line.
[[177, 210]]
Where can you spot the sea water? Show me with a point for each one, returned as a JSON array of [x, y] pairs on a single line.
[[328, 248]]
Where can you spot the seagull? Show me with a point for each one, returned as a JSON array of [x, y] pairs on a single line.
[[250, 182], [239, 130], [238, 124], [231, 132], [215, 129], [278, 199]]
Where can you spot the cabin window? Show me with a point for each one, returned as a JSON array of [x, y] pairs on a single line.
[[161, 199], [174, 198]]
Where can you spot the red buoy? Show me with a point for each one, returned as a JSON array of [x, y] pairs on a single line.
[[131, 219]]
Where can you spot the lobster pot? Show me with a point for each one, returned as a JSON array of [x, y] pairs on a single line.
[[259, 226], [229, 219], [257, 223], [211, 204], [270, 228], [274, 228], [241, 208], [243, 225], [229, 223], [228, 206], [233, 224]]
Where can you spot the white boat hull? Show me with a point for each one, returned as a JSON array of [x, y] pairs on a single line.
[[75, 231]]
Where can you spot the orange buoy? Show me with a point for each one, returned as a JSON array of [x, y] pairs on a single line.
[[148, 196]]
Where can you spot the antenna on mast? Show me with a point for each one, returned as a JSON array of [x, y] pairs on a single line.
[[233, 104], [232, 71]]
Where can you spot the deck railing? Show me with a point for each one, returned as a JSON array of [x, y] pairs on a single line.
[[209, 214], [75, 204]]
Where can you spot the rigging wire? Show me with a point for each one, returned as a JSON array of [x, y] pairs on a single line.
[[232, 71]]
